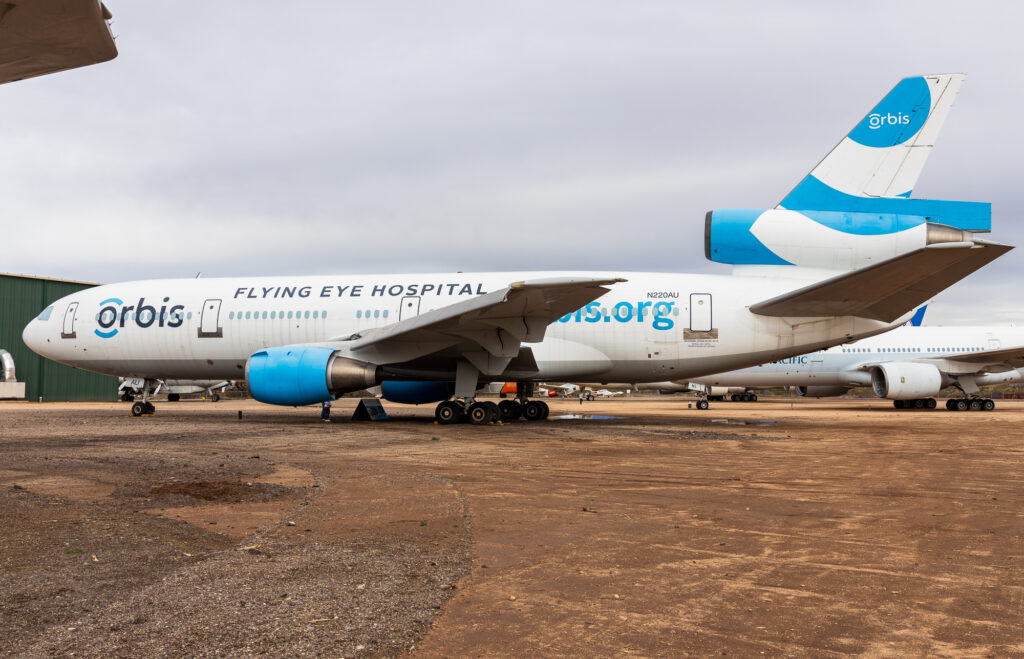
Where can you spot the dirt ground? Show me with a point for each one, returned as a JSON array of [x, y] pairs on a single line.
[[775, 528]]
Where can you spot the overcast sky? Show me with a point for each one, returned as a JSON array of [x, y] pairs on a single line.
[[243, 138]]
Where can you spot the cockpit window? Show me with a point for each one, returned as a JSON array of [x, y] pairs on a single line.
[[45, 313]]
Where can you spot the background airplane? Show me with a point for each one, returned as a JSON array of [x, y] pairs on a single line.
[[909, 365]]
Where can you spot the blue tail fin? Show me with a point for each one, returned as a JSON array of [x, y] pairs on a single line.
[[883, 156]]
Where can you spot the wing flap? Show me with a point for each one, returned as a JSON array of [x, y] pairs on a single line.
[[887, 290]]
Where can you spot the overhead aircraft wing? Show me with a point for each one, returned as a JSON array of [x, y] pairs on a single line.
[[486, 330], [46, 36], [887, 290]]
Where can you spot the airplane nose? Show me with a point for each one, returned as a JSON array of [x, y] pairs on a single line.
[[35, 335]]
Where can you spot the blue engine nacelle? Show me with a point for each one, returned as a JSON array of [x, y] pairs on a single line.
[[833, 239], [415, 393], [303, 375]]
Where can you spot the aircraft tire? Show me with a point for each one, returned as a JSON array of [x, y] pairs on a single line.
[[138, 409], [898, 404], [533, 410], [547, 410], [173, 398], [930, 403], [920, 403], [590, 396], [215, 398], [479, 414], [975, 405], [753, 398], [702, 404], [495, 411], [448, 412], [988, 405], [510, 409], [150, 408], [960, 405]]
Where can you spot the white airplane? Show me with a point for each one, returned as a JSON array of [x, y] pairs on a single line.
[[908, 365], [607, 393], [847, 254]]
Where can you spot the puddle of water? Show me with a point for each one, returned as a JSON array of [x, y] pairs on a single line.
[[584, 417], [745, 422]]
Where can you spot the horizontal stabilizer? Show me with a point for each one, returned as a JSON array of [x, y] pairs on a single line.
[[889, 289]]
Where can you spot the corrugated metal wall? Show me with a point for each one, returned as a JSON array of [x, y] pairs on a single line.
[[21, 299]]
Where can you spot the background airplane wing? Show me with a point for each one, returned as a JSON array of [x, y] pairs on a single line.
[[987, 359], [487, 330], [887, 290], [46, 36]]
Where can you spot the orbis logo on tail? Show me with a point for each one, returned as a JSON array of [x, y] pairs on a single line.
[[114, 315], [876, 121]]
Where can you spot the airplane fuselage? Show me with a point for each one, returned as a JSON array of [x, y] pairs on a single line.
[[652, 327]]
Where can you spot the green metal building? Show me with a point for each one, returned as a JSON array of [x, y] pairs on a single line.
[[21, 300]]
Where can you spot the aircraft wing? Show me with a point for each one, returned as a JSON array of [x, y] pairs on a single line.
[[486, 330], [46, 36], [887, 290], [988, 360]]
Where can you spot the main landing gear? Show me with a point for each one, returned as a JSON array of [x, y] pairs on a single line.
[[953, 404], [482, 412], [970, 404]]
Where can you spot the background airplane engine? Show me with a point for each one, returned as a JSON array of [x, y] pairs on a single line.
[[906, 380], [415, 393], [303, 375], [821, 392]]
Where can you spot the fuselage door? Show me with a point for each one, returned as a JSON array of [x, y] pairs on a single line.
[[209, 323], [410, 307], [700, 312], [68, 330]]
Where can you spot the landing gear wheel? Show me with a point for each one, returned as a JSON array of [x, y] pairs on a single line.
[[150, 408], [534, 410], [547, 410], [479, 414], [495, 411], [960, 405], [988, 405], [448, 412], [734, 398], [173, 398], [975, 405], [920, 403], [590, 396], [930, 403], [949, 404], [138, 409], [898, 404], [702, 404], [510, 409], [215, 398], [753, 398]]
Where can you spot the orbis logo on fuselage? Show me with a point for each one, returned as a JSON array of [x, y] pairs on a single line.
[[115, 315], [876, 120]]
